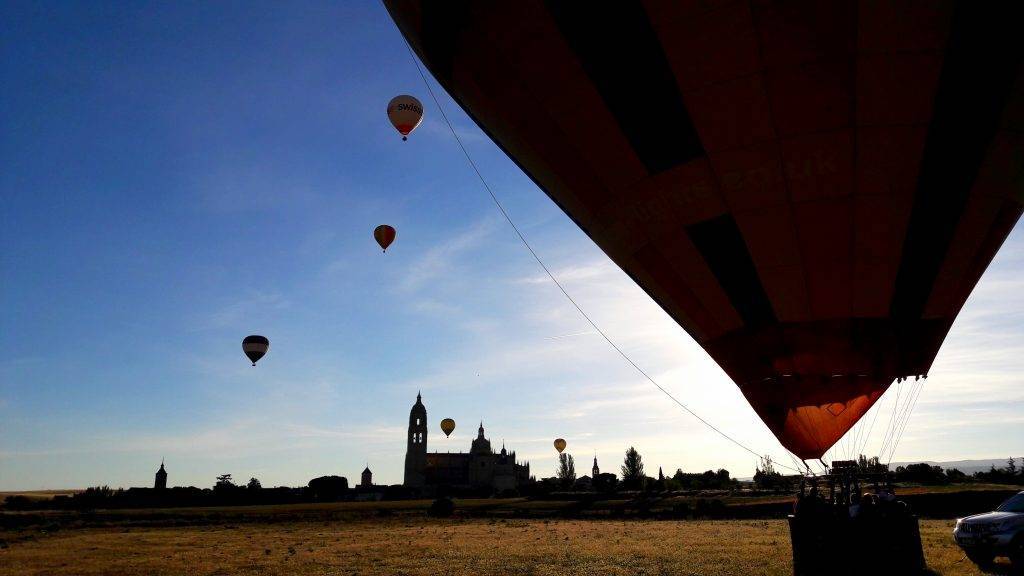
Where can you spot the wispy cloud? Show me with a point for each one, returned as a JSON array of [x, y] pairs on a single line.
[[439, 259], [248, 185], [436, 127], [231, 315]]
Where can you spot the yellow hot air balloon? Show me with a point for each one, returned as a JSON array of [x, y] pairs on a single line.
[[405, 113], [447, 425], [560, 445]]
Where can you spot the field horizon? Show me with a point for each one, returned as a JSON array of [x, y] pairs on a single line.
[[418, 545], [486, 536]]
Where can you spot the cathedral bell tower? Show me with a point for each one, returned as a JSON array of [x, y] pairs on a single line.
[[416, 446], [161, 478]]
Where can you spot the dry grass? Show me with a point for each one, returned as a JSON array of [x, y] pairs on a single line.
[[39, 494], [419, 546]]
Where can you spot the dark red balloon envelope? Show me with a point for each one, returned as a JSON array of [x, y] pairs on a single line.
[[810, 189]]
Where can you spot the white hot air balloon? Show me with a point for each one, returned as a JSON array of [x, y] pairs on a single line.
[[405, 113]]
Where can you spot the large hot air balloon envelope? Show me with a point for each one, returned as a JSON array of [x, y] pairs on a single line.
[[384, 235], [810, 189], [255, 347], [447, 426], [405, 113], [559, 445]]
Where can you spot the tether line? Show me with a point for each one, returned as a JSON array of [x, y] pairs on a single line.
[[551, 275]]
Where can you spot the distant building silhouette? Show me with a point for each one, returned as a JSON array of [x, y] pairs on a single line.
[[481, 468], [595, 471], [367, 479], [161, 478], [416, 445]]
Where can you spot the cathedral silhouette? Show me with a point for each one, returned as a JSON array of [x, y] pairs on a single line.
[[479, 469]]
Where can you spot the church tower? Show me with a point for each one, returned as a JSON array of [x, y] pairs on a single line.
[[367, 479], [416, 446], [595, 471], [161, 478]]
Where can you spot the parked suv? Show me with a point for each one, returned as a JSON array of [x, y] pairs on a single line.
[[999, 533]]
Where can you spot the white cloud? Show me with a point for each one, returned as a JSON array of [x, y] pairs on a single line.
[[232, 314], [438, 260]]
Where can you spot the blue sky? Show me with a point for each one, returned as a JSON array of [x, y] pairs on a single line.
[[177, 176]]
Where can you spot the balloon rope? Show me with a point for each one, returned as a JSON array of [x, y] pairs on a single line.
[[552, 276], [906, 419], [892, 420], [867, 436]]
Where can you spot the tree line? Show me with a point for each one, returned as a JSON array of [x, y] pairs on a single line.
[[767, 478], [224, 492], [633, 477]]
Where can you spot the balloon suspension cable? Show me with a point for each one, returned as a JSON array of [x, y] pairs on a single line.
[[906, 418], [551, 275]]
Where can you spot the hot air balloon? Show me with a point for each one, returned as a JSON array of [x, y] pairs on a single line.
[[447, 426], [384, 235], [559, 445], [405, 113], [810, 191], [255, 347]]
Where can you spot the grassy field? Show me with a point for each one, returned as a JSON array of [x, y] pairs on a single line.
[[488, 536], [39, 494], [422, 546]]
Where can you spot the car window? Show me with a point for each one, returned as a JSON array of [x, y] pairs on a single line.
[[1015, 504]]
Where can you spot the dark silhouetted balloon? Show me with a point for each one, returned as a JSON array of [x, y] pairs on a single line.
[[255, 347], [447, 426], [816, 231], [384, 235], [559, 445], [405, 113]]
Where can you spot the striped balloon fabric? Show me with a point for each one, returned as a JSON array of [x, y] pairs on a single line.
[[255, 347], [810, 189]]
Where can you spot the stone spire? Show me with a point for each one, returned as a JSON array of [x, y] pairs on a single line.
[[161, 477], [416, 445]]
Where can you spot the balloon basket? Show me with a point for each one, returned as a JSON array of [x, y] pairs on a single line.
[[842, 532], [847, 546]]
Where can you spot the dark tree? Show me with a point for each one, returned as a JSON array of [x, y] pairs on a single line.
[[921, 474], [441, 508], [566, 470], [871, 465], [254, 484], [633, 470], [328, 488], [955, 475], [767, 478], [605, 482]]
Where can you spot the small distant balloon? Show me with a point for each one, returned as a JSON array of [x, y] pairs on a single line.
[[255, 347], [384, 235], [559, 445], [405, 113], [447, 426]]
